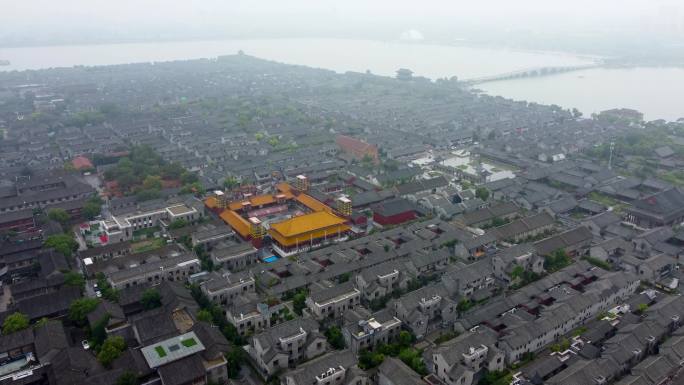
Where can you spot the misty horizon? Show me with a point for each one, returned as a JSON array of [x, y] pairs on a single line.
[[627, 23]]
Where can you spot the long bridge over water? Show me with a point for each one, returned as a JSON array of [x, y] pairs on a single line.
[[532, 72]]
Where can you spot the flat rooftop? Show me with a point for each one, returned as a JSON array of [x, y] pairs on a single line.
[[180, 209], [172, 349]]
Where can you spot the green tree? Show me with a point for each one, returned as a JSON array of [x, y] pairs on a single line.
[[59, 215], [464, 305], [641, 308], [147, 195], [188, 178], [92, 208], [172, 171], [405, 338], [369, 359], [335, 337], [127, 378], [412, 358], [557, 260], [62, 243], [41, 322], [230, 182], [108, 292], [235, 359], [80, 308], [152, 182], [72, 278], [344, 277], [517, 272], [598, 262], [205, 315], [151, 299], [193, 188], [15, 322], [495, 378], [98, 333], [178, 223], [482, 193], [562, 346], [206, 263], [126, 179], [111, 350], [299, 302]]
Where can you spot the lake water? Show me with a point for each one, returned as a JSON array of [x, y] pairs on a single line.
[[382, 58], [657, 92], [653, 91]]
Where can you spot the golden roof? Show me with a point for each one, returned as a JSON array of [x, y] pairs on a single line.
[[307, 223], [211, 202], [312, 203], [238, 223]]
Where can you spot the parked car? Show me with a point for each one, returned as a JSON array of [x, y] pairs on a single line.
[[85, 344]]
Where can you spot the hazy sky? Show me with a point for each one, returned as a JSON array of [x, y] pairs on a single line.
[[29, 19]]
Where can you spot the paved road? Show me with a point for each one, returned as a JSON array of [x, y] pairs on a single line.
[[247, 377], [81, 242], [89, 289], [94, 181], [4, 297]]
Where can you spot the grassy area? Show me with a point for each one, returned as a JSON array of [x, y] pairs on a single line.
[[446, 337], [147, 232], [499, 165], [148, 245], [189, 342], [576, 215], [674, 177], [618, 207], [579, 331], [603, 199], [160, 351], [598, 263]]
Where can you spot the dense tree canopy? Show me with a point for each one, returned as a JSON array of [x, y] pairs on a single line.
[[204, 315], [151, 299], [298, 302], [143, 173], [482, 193], [58, 215], [111, 350], [62, 243], [92, 208], [127, 378], [178, 224], [14, 323], [335, 337], [73, 278], [79, 309], [556, 261]]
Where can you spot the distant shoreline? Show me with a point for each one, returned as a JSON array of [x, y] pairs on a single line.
[[190, 49], [455, 43]]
